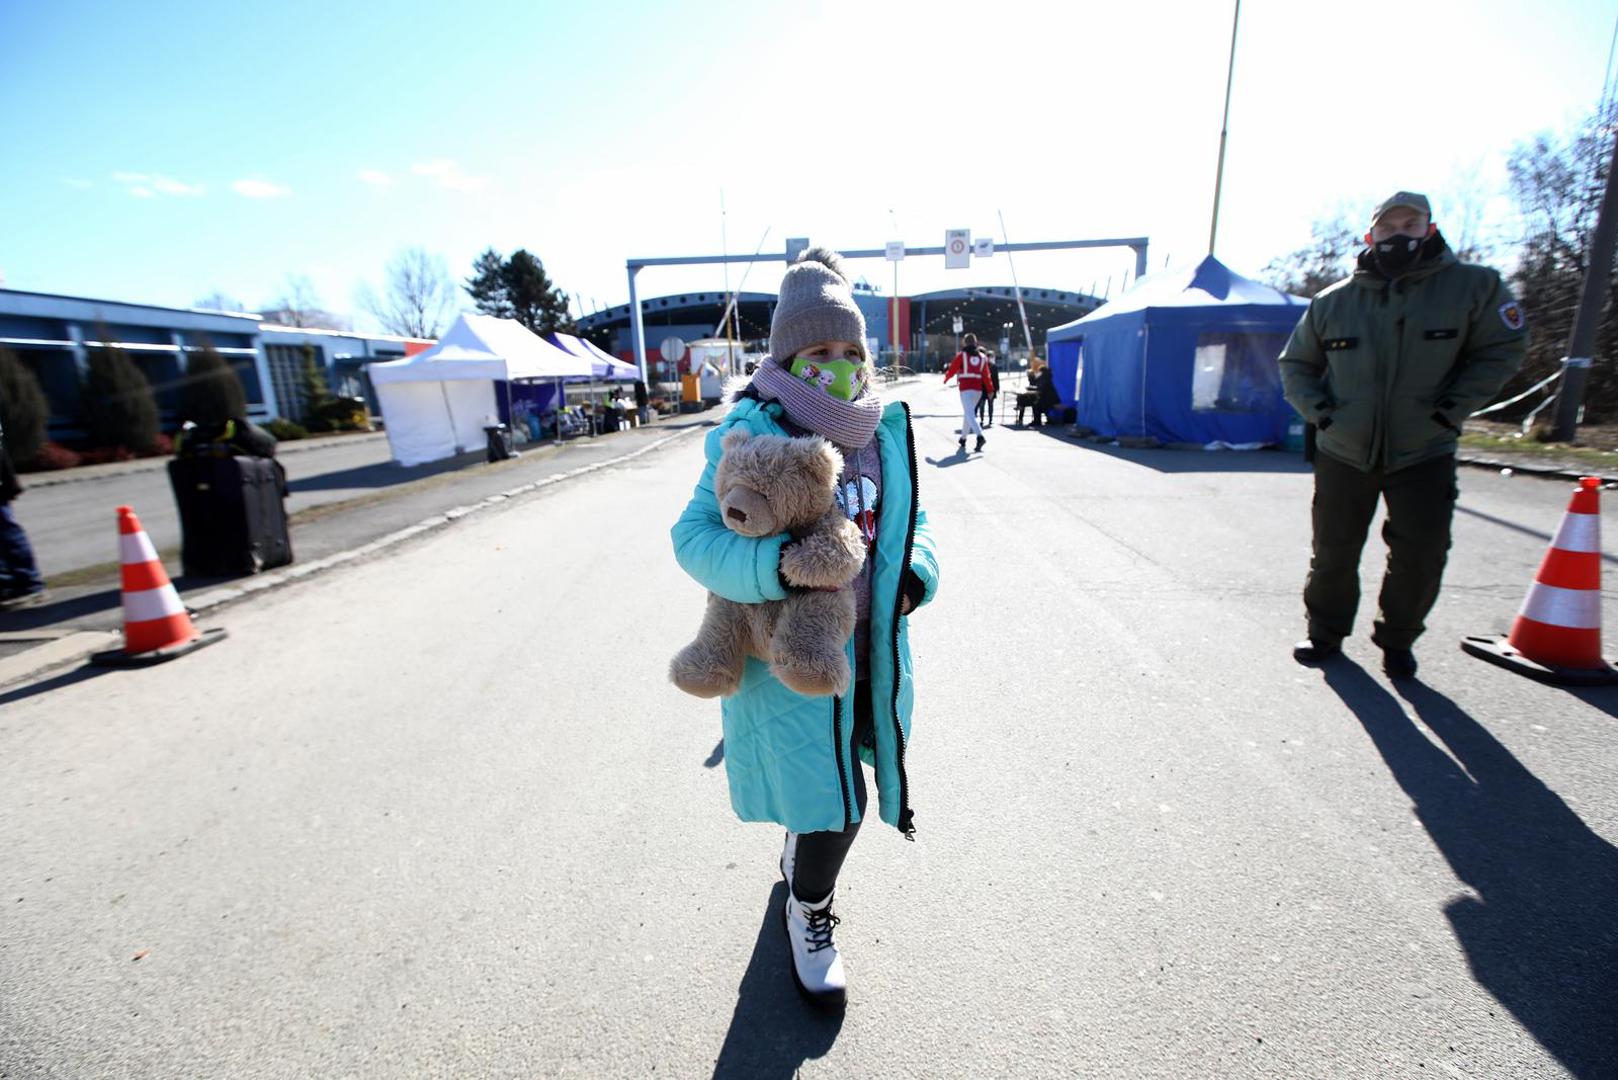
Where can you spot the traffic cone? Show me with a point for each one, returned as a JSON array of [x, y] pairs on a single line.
[[156, 625], [1556, 636]]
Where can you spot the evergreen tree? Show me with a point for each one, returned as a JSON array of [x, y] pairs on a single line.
[[487, 285], [312, 381], [212, 392], [24, 410], [518, 288], [119, 409]]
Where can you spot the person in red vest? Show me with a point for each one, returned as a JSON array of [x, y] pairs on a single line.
[[976, 379]]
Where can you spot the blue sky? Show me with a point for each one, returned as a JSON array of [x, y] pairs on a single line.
[[161, 151]]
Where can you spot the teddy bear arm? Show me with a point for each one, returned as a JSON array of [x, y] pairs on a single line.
[[827, 558]]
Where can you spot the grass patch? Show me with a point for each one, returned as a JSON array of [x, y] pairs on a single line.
[[1528, 448]]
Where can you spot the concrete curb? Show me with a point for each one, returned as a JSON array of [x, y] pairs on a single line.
[[74, 648], [35, 480], [1529, 468]]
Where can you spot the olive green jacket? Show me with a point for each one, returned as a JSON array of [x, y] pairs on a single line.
[[1389, 370]]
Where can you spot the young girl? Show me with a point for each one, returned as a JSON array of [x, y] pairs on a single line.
[[975, 381], [791, 759]]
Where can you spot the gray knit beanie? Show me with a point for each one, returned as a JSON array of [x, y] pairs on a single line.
[[817, 304]]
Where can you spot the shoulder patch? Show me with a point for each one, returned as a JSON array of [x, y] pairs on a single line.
[[1511, 314]]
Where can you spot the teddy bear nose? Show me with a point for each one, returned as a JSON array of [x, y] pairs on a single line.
[[736, 514]]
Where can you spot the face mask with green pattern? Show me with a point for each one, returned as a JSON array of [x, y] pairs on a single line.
[[842, 379]]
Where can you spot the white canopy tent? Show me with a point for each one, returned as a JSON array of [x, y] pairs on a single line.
[[435, 404]]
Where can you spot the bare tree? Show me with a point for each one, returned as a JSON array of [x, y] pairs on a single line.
[[219, 300], [298, 305], [1467, 228], [420, 297], [1328, 257]]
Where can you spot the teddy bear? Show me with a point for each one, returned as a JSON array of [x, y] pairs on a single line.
[[767, 485]]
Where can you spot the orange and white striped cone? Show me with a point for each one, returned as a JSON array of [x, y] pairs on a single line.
[[1556, 636], [156, 625]]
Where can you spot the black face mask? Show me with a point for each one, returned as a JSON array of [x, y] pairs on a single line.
[[1397, 254]]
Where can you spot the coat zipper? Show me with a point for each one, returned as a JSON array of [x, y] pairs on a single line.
[[907, 823], [837, 745]]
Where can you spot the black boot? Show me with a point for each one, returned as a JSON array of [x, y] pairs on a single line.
[[980, 444]]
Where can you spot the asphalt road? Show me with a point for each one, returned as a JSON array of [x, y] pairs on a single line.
[[438, 813], [73, 525]]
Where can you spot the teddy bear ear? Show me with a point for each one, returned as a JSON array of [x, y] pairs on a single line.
[[735, 437], [823, 461]]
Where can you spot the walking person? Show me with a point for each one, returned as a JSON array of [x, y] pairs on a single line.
[[792, 759], [972, 367], [985, 407], [1387, 364], [21, 584], [642, 409]]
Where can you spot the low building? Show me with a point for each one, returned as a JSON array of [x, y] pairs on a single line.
[[53, 334]]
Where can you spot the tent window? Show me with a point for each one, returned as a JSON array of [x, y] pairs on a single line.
[[1236, 372]]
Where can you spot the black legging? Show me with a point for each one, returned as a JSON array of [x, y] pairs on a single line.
[[986, 402], [820, 854]]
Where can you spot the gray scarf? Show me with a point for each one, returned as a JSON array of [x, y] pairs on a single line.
[[849, 424]]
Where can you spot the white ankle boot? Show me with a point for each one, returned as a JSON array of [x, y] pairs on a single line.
[[816, 967]]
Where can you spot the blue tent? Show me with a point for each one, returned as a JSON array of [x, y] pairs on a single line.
[[1184, 356]]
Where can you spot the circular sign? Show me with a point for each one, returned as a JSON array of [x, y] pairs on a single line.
[[673, 349], [956, 246]]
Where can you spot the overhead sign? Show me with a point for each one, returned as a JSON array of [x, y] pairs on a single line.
[[957, 249], [896, 250], [983, 247], [796, 245]]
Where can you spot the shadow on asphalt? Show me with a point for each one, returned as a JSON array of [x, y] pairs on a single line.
[[61, 611], [1541, 933], [773, 1030], [1603, 698], [80, 674], [1537, 534], [1191, 461], [383, 474], [85, 606], [960, 457]]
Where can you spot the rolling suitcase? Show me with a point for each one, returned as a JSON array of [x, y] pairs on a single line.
[[232, 517]]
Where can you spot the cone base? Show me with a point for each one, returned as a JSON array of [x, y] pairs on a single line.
[[1497, 650], [117, 658]]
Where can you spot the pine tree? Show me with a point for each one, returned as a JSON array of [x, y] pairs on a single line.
[[119, 408], [312, 381], [518, 288], [487, 285], [212, 392], [24, 409]]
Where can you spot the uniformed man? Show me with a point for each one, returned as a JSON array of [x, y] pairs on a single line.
[[1387, 364]]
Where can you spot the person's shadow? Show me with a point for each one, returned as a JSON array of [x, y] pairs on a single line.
[[773, 1030], [1541, 935]]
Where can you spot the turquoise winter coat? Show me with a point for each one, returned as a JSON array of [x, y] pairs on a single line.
[[786, 755]]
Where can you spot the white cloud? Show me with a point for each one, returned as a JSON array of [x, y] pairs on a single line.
[[260, 189], [146, 185], [448, 174], [376, 178]]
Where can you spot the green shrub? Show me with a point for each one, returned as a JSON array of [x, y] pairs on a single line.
[[24, 411], [344, 414], [119, 409], [286, 430], [211, 393]]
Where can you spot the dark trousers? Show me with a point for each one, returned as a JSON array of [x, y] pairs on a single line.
[[1420, 502], [19, 573], [1029, 400], [821, 854], [986, 404]]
